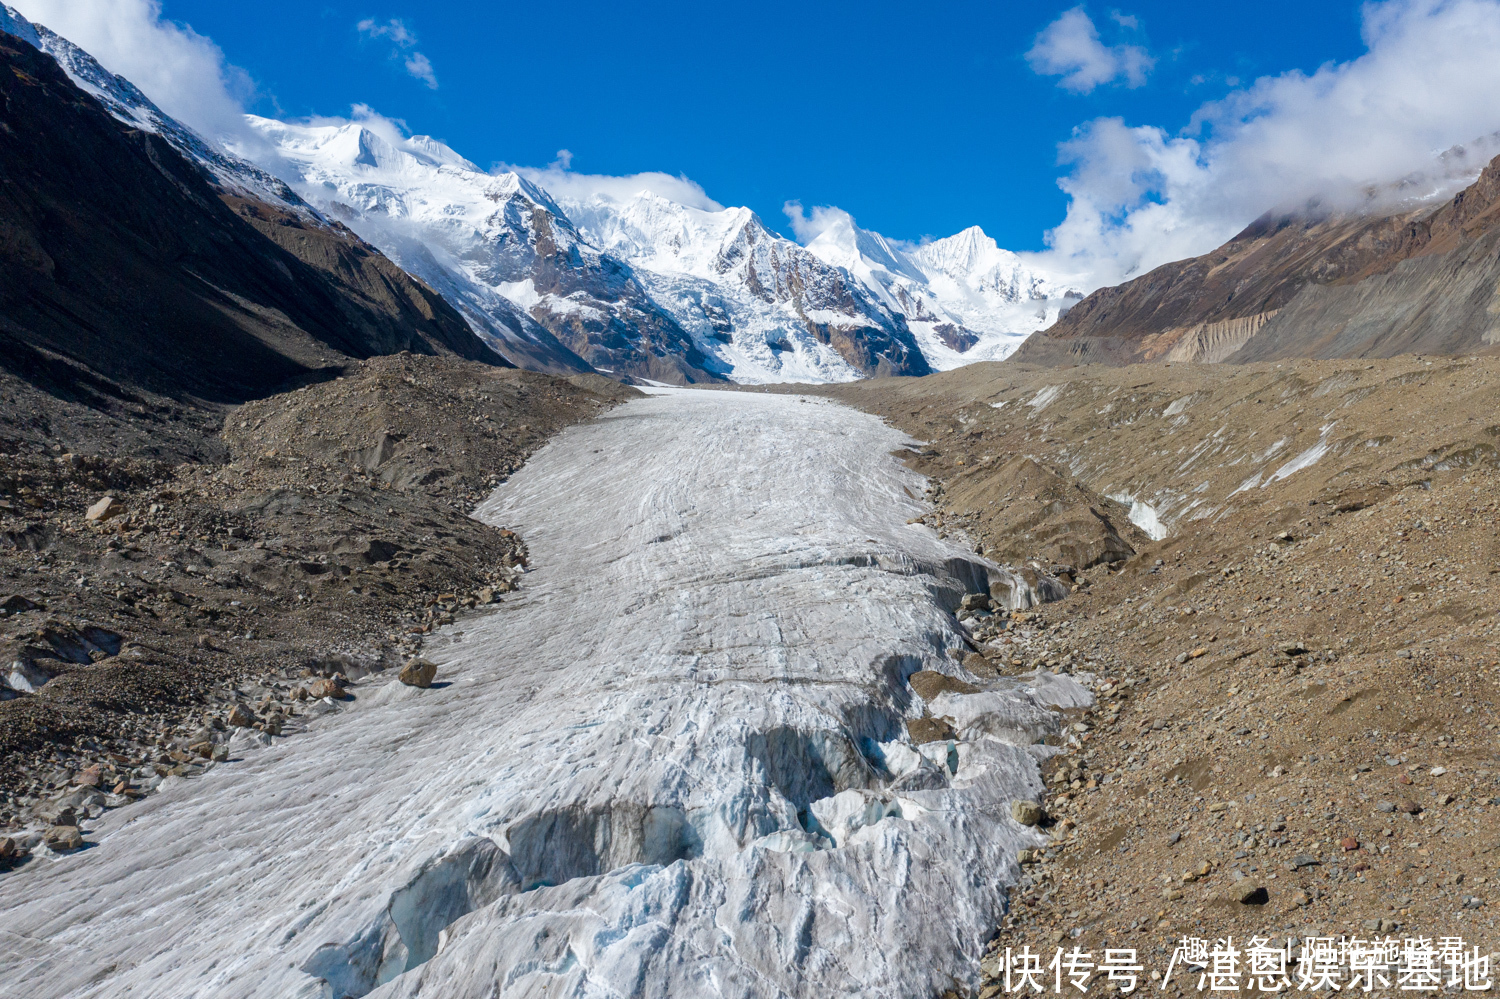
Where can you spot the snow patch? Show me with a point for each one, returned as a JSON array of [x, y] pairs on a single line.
[[1142, 515], [1306, 459]]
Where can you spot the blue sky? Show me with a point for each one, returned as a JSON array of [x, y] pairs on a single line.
[[1109, 138], [918, 119]]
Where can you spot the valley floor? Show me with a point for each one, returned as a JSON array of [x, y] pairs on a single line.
[[1296, 679], [674, 762]]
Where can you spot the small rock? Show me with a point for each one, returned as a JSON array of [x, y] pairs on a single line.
[[1174, 839], [1027, 813], [203, 749], [1409, 807], [1198, 653], [1349, 843], [418, 673], [106, 508], [220, 754], [15, 604], [1255, 896], [1385, 806], [1301, 898], [1304, 860], [8, 849], [63, 838], [1437, 771], [239, 717]]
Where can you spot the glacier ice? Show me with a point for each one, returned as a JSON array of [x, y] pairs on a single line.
[[655, 770]]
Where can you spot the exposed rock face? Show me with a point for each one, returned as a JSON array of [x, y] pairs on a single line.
[[116, 253], [1415, 281]]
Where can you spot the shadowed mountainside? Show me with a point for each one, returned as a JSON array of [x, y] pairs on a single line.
[[117, 254]]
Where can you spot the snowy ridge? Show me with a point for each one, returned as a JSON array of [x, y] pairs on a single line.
[[642, 287], [964, 298], [496, 245], [765, 306], [124, 101]]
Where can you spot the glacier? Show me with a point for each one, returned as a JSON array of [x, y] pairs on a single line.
[[673, 764]]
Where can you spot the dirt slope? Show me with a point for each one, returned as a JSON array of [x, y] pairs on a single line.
[[1411, 281], [1296, 681]]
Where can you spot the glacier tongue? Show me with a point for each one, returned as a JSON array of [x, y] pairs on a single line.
[[656, 770]]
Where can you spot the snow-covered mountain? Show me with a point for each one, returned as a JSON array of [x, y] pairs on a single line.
[[647, 287], [495, 245], [770, 309], [640, 286], [964, 298]]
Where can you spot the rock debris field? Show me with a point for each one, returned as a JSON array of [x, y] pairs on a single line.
[[678, 761]]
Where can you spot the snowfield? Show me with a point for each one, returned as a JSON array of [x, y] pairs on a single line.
[[673, 764]]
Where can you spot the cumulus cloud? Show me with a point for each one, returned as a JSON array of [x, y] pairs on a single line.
[[808, 226], [185, 73], [1070, 48], [1411, 118], [403, 45], [558, 180]]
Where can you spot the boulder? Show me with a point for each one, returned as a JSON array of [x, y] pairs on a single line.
[[239, 717], [106, 508], [63, 838], [1254, 896], [1027, 813], [418, 673], [330, 687]]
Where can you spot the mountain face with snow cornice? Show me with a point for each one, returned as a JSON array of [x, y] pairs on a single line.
[[964, 298], [766, 307]]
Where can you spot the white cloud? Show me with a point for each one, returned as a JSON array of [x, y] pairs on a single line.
[[1069, 47], [185, 73], [402, 41], [1373, 129], [809, 226], [562, 183]]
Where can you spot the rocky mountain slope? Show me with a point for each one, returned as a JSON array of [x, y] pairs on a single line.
[[1418, 280], [120, 256], [1295, 669]]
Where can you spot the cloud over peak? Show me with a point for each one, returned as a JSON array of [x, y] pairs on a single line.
[[403, 47], [1376, 130], [1070, 48]]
